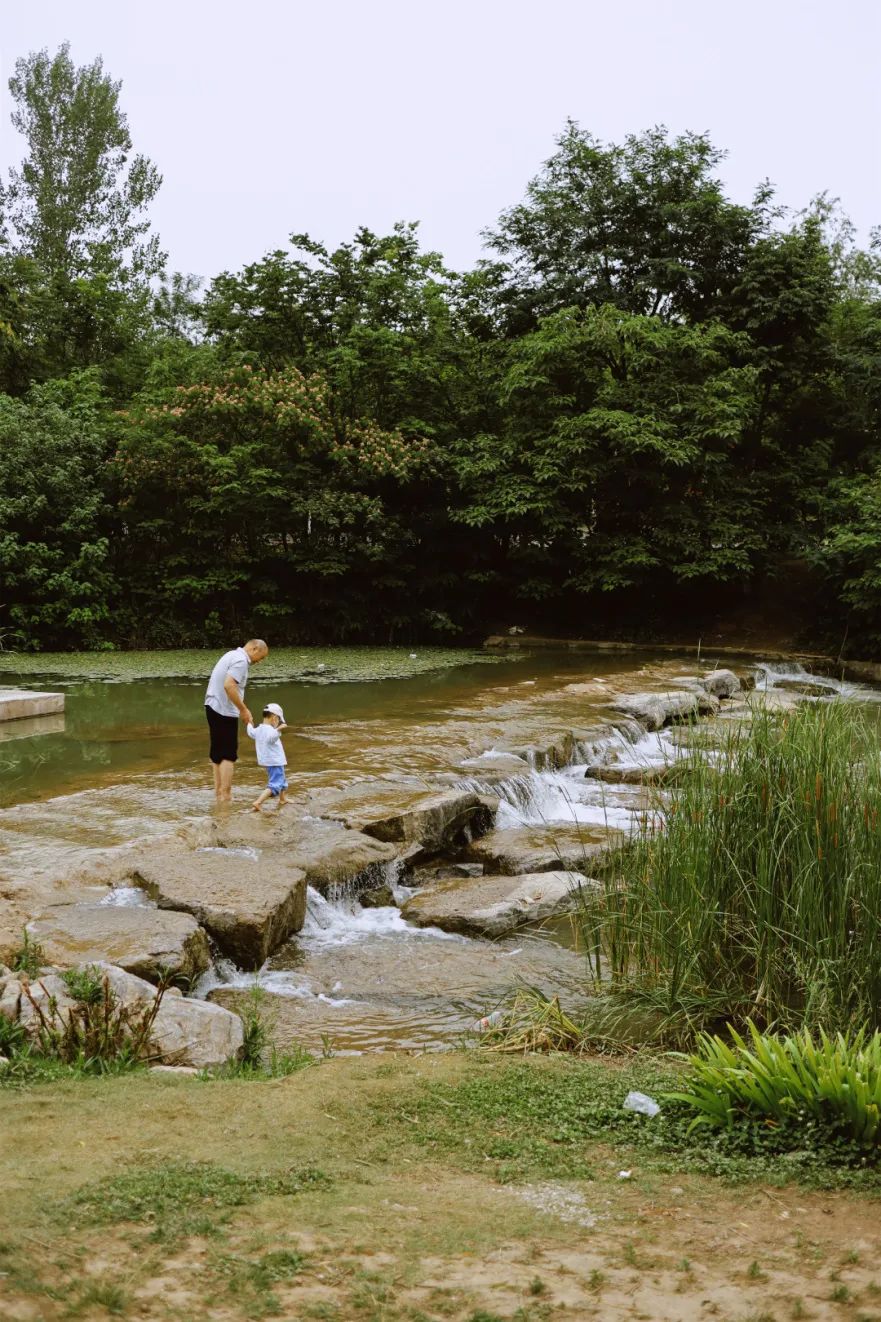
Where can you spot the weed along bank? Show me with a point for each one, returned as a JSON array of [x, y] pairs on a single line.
[[590, 936]]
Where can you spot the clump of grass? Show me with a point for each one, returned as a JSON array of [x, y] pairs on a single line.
[[755, 891], [534, 1022], [259, 1059], [182, 1198], [98, 1032], [833, 1082], [29, 957]]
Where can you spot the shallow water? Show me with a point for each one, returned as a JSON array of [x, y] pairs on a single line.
[[131, 761]]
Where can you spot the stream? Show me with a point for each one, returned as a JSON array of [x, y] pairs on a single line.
[[128, 761]]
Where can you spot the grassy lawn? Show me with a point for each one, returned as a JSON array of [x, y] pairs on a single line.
[[396, 1189]]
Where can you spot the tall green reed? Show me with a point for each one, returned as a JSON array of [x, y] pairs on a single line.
[[753, 891]]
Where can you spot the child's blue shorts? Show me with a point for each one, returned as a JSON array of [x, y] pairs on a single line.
[[278, 781]]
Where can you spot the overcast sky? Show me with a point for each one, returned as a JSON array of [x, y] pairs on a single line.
[[270, 117]]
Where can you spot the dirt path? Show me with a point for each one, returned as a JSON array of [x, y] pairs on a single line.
[[320, 1196]]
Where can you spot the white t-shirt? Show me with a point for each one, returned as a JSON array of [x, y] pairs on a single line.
[[270, 752], [236, 663]]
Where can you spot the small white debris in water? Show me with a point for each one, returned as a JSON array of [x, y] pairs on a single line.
[[337, 986], [412, 656], [321, 665], [556, 1200], [624, 1175]]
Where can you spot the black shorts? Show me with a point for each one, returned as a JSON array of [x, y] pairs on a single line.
[[224, 734]]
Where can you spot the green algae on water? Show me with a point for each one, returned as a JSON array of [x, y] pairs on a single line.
[[317, 665]]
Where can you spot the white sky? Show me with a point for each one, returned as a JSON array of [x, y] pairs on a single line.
[[270, 117]]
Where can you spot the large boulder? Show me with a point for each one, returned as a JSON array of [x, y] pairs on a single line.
[[552, 848], [140, 939], [184, 1032], [495, 906], [248, 902], [48, 1000], [196, 1033]]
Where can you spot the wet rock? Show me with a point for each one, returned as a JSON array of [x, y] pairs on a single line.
[[806, 688], [557, 751], [250, 905], [617, 774], [721, 683], [330, 856], [552, 848], [495, 906], [492, 767], [438, 821], [380, 898], [141, 941], [446, 872], [655, 710]]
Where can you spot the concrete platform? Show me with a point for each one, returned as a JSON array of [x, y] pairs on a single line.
[[16, 704]]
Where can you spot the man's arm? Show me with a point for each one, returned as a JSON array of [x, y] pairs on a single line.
[[231, 689]]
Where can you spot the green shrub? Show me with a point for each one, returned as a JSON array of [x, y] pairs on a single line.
[[831, 1082]]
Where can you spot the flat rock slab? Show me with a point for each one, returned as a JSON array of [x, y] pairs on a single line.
[[552, 848], [436, 820], [332, 858], [249, 903], [16, 704], [142, 941], [655, 710], [495, 906]]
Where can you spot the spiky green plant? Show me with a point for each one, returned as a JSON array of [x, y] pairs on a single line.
[[757, 884], [833, 1081]]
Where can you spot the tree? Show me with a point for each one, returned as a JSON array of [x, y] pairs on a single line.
[[644, 226], [77, 202], [56, 585]]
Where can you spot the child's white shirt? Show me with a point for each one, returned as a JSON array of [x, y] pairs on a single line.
[[270, 752]]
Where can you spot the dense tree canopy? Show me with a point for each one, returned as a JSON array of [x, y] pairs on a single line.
[[646, 397]]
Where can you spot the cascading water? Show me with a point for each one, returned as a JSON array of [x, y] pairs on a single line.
[[568, 795]]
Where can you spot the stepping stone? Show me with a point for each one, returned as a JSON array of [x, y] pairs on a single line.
[[250, 905], [495, 906], [142, 941], [553, 848]]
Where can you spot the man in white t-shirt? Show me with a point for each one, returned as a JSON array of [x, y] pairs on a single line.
[[225, 706]]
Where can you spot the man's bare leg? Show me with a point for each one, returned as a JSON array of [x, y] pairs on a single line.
[[224, 787], [216, 769]]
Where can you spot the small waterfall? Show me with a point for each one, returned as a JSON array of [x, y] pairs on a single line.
[[568, 796]]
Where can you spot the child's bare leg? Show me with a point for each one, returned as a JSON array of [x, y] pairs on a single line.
[[282, 798], [260, 800]]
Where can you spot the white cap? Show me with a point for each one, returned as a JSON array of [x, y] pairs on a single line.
[[275, 709]]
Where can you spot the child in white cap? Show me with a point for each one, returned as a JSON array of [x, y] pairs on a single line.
[[270, 754]]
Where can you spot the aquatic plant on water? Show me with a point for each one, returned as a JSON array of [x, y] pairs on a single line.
[[754, 891], [317, 665]]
